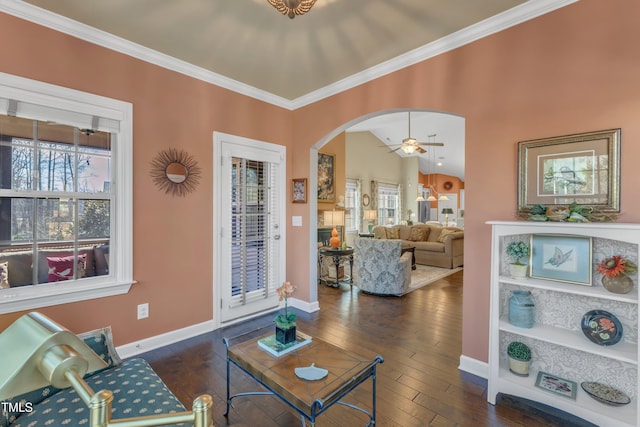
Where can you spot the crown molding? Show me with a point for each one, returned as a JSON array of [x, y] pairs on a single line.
[[517, 15], [101, 38], [512, 17]]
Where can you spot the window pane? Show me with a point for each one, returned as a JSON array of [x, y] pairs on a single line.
[[94, 219], [16, 220], [94, 162], [56, 168], [55, 219]]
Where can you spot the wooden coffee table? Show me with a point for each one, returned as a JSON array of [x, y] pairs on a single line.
[[347, 371]]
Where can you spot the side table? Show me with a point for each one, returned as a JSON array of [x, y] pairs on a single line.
[[412, 249], [337, 254]]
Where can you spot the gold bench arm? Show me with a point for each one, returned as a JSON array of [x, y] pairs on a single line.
[[43, 353]]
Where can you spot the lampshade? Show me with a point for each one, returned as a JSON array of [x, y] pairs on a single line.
[[370, 215], [447, 211], [431, 199], [333, 218], [420, 198], [443, 197]]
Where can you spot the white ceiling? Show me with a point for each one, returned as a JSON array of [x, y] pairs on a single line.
[[249, 47], [392, 128]]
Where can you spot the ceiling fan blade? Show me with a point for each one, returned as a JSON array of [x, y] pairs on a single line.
[[431, 144], [394, 150], [421, 150]]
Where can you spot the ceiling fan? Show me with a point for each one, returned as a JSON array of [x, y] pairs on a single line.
[[410, 145]]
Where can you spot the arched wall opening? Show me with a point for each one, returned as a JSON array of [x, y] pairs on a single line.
[[449, 129]]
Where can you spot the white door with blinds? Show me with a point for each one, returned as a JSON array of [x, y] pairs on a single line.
[[249, 244]]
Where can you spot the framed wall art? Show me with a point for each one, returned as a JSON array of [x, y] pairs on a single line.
[[299, 190], [326, 177], [583, 169], [562, 258], [555, 384]]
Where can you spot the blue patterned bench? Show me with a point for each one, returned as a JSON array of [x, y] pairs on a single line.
[[137, 391]]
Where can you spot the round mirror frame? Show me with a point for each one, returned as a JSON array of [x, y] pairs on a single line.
[[366, 200], [175, 172]]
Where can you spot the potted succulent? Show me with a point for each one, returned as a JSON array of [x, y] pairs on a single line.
[[519, 358], [614, 272], [517, 250], [285, 323]]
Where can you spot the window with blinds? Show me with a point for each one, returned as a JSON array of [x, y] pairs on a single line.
[[252, 272], [388, 204], [65, 195], [352, 216]]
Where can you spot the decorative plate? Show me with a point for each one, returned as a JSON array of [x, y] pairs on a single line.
[[448, 185], [311, 373], [605, 394], [602, 327]]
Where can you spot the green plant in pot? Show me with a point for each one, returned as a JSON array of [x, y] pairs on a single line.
[[519, 358], [285, 322], [517, 250]]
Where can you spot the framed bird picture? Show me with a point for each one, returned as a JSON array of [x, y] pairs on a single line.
[[561, 257], [581, 169]]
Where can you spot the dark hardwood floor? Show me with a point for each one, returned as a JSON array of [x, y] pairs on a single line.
[[419, 384]]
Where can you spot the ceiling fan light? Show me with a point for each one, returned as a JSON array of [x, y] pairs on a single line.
[[409, 149]]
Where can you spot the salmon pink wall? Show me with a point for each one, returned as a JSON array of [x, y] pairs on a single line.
[[573, 70], [172, 241]]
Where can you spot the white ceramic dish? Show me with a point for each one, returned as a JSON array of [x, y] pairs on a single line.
[[311, 373]]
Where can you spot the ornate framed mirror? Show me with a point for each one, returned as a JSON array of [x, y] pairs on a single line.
[[175, 172]]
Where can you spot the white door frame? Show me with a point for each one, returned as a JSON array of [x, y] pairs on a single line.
[[218, 205]]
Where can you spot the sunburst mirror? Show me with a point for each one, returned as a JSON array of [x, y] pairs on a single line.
[[175, 172]]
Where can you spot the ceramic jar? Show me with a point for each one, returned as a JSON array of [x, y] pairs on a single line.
[[521, 309], [620, 284]]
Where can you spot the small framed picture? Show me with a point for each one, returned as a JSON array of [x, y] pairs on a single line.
[[555, 384], [299, 190], [562, 258]]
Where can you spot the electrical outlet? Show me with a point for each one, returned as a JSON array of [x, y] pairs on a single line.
[[143, 311]]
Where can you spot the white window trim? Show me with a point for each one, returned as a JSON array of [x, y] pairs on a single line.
[[120, 276]]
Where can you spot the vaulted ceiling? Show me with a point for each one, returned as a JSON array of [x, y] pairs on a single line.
[[249, 47]]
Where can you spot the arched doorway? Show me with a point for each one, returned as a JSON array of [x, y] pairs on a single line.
[[366, 142]]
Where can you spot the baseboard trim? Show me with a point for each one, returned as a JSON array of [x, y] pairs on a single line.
[[474, 366], [307, 307], [171, 337], [152, 343]]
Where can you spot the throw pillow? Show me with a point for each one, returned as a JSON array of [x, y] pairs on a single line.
[[393, 233], [61, 268], [4, 275], [417, 234], [444, 233]]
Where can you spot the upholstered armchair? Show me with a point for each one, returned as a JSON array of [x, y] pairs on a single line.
[[379, 268]]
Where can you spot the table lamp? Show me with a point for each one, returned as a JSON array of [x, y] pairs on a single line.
[[370, 215], [333, 219], [446, 212]]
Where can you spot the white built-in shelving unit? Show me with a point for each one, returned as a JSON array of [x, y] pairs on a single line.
[[557, 343]]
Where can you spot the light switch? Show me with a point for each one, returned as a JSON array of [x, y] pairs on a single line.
[[296, 221]]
